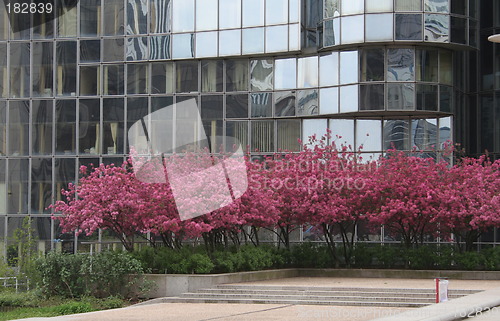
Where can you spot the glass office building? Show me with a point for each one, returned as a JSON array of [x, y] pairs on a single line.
[[409, 74]]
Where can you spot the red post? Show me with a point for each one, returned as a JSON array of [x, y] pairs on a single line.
[[437, 290]]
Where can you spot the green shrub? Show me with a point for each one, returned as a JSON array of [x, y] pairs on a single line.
[[199, 263], [363, 255], [422, 257], [311, 255], [73, 308], [112, 302], [491, 258], [22, 299], [223, 262], [468, 260]]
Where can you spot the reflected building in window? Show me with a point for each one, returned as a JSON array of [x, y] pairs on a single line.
[[380, 74]]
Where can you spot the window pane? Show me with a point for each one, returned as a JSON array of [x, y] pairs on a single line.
[[89, 127], [293, 37], [262, 136], [332, 33], [112, 49], [41, 187], [349, 67], [342, 131], [307, 102], [276, 12], [114, 79], [253, 40], [89, 80], [160, 16], [238, 130], [427, 65], [137, 108], [436, 28], [17, 198], [137, 11], [424, 134], [261, 104], [187, 77], [237, 106], [19, 70], [307, 73], [67, 19], [427, 97], [113, 117], [206, 14], [113, 17], [3, 128], [4, 75], [378, 5], [373, 64], [459, 30], [349, 99], [236, 75], [396, 134], [379, 27], [65, 127], [19, 115], [316, 127], [66, 68], [90, 18], [159, 47], [230, 42], [408, 5], [212, 115], [445, 99], [137, 78], [445, 67], [408, 27], [352, 6], [162, 78], [329, 100], [284, 103], [261, 74], [211, 76], [400, 96], [90, 50], [137, 48], [352, 29], [206, 44], [369, 134], [329, 69], [285, 74], [253, 13], [400, 65], [182, 46], [372, 97], [230, 16], [42, 71], [436, 5], [183, 15], [332, 8], [288, 135]]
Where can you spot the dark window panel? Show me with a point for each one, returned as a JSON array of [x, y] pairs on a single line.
[[372, 97]]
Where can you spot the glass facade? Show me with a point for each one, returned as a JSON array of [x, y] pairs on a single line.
[[379, 73]]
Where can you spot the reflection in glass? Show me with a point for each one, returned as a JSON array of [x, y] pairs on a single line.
[[160, 16], [89, 80], [114, 79], [276, 12], [113, 117], [445, 67], [332, 8], [253, 40], [261, 104], [408, 27], [349, 99], [41, 185], [137, 108], [352, 6], [342, 131], [262, 136], [253, 13], [112, 49], [261, 74], [65, 127], [206, 15], [137, 78], [212, 115], [3, 128], [229, 42], [284, 103], [294, 11], [276, 39], [379, 27], [445, 99], [316, 127], [183, 15], [423, 134], [159, 47], [67, 19], [230, 16], [378, 5], [329, 69], [427, 65], [19, 116], [236, 75], [396, 134], [285, 74], [182, 46], [445, 131], [89, 127], [427, 97], [90, 14], [459, 30], [42, 70], [90, 50], [206, 44], [329, 100], [331, 35], [348, 67], [307, 72], [238, 130], [436, 28], [307, 102], [162, 124], [64, 173], [408, 5], [237, 106], [211, 76], [373, 64], [66, 68], [162, 78], [293, 37], [371, 97], [113, 17], [19, 70], [17, 184], [352, 30], [186, 76], [400, 65], [288, 134], [436, 6], [137, 48], [369, 135], [4, 75], [400, 96]]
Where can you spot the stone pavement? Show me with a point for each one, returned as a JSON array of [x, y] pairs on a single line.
[[271, 312]]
